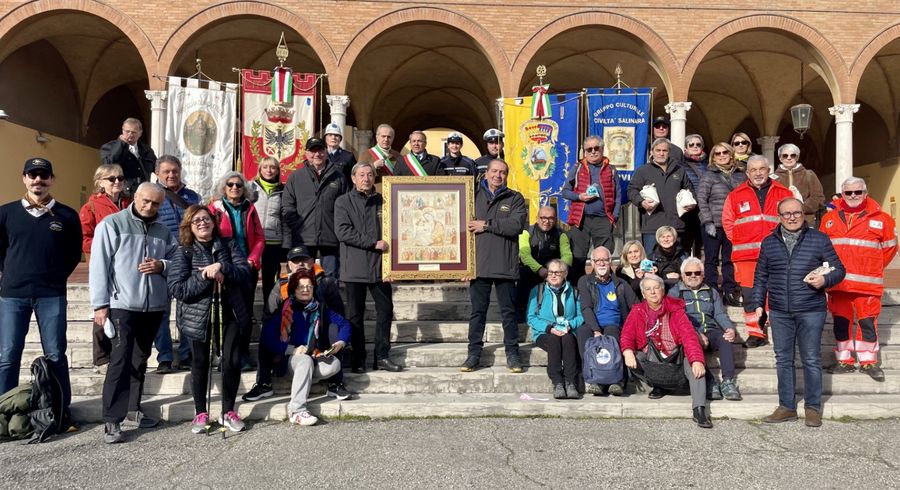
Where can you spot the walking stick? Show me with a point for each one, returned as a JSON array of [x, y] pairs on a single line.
[[213, 350], [220, 351]]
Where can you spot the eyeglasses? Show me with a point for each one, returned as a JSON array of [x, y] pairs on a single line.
[[547, 218], [695, 144], [791, 156], [555, 273], [791, 214], [115, 178], [854, 193], [239, 185], [201, 221], [692, 273], [601, 261], [720, 153], [38, 173], [592, 149], [740, 143]]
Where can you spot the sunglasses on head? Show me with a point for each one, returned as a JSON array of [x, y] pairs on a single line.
[[692, 273], [239, 185], [38, 173], [790, 155], [115, 178], [740, 143], [592, 149], [854, 193], [695, 144]]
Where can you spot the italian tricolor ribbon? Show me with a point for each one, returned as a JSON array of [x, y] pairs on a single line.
[[379, 154], [540, 102], [282, 86], [414, 165]]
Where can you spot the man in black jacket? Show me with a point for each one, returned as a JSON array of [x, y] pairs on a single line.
[[493, 140], [342, 159], [788, 275], [136, 158], [308, 206], [357, 220], [500, 216], [605, 303], [418, 162]]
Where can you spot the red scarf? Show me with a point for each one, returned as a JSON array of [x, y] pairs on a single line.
[[583, 181]]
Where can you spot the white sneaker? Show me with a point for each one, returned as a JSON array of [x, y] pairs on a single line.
[[232, 421], [304, 418]]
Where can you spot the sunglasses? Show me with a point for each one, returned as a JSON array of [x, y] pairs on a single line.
[[115, 178], [692, 273], [792, 156], [791, 214], [201, 221], [695, 145], [740, 143], [720, 153], [239, 185], [592, 149], [660, 126], [547, 218], [38, 173], [854, 193]]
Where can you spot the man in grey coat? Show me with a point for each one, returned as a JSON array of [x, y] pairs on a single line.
[[357, 224]]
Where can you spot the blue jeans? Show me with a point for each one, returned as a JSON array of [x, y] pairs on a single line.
[[711, 248], [15, 314], [163, 341], [805, 331]]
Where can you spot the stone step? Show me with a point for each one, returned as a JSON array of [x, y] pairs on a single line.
[[179, 409], [484, 380]]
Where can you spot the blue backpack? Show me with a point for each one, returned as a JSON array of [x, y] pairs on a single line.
[[602, 361]]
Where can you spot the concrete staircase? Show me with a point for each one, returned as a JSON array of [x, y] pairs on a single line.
[[429, 335]]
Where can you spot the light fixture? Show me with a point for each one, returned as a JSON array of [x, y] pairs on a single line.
[[40, 138], [3, 115], [801, 114]]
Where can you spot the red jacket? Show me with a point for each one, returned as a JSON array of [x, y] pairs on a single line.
[[745, 224], [256, 238], [866, 242], [98, 207], [634, 331]]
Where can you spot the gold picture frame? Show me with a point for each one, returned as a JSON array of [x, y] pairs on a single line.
[[425, 225]]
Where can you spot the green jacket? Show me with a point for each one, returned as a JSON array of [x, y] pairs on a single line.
[[14, 407]]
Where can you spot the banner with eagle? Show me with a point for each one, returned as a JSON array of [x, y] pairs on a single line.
[[275, 125]]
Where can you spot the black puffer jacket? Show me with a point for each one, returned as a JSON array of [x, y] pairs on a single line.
[[194, 294], [497, 249]]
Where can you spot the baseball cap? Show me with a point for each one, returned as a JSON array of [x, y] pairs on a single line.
[[661, 120], [37, 164], [313, 143], [298, 252]]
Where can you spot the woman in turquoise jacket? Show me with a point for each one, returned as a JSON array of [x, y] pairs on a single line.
[[554, 313]]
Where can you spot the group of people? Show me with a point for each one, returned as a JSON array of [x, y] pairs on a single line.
[[149, 243]]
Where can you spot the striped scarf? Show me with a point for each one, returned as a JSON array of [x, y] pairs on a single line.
[[287, 317]]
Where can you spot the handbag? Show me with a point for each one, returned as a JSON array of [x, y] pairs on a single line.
[[660, 371]]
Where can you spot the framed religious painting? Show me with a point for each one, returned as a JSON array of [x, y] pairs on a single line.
[[424, 222]]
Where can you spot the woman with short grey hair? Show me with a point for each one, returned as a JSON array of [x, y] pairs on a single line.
[[801, 181]]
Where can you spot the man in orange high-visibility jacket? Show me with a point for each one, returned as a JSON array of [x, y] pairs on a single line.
[[749, 215], [866, 241]]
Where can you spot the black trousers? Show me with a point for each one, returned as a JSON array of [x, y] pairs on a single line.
[[593, 232], [124, 382], [527, 281], [102, 345], [231, 368], [383, 296], [249, 295], [562, 356], [272, 257], [480, 296]]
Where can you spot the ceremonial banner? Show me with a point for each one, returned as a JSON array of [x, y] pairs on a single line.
[[623, 121], [273, 129], [200, 126], [542, 152]]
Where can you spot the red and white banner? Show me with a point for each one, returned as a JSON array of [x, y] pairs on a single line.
[[274, 130]]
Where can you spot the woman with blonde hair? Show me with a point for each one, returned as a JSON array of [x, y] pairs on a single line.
[[629, 269], [266, 192], [742, 148]]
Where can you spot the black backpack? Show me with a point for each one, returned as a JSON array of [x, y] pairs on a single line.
[[48, 416]]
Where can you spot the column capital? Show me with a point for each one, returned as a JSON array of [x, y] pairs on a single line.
[[843, 112], [156, 95], [338, 103], [678, 110], [768, 140]]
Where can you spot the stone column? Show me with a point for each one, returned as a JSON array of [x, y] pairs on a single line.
[[157, 100], [338, 104], [364, 140], [843, 147], [767, 149], [677, 112]]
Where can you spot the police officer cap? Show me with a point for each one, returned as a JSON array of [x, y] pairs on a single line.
[[454, 137], [492, 135], [333, 129]]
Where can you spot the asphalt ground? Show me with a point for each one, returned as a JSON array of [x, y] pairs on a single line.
[[469, 453]]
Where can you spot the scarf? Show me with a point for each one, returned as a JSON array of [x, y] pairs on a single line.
[[790, 239], [698, 158], [239, 232], [660, 333], [310, 312], [267, 186], [39, 205]]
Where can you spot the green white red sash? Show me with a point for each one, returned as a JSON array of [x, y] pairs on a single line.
[[379, 154], [414, 165]]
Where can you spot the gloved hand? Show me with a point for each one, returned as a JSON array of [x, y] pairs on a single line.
[[710, 229]]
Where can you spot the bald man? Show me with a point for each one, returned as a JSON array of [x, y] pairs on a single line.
[[538, 244]]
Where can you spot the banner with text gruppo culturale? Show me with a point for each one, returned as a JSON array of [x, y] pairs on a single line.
[[623, 121]]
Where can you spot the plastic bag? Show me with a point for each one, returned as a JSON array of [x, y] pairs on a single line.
[[684, 201]]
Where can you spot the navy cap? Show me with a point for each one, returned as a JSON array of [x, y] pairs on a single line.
[[298, 252], [33, 164], [661, 120], [314, 143]]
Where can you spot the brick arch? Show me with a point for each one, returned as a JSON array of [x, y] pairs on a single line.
[[658, 49], [132, 31], [832, 62], [204, 18], [866, 54], [488, 44]]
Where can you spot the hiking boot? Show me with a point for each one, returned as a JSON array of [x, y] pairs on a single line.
[[656, 393], [702, 418], [232, 421], [592, 389], [165, 367], [137, 420], [470, 365], [616, 390], [713, 390], [781, 414], [873, 370], [559, 391], [258, 392], [338, 391], [388, 365], [303, 418], [112, 433], [813, 417], [200, 424], [572, 391], [841, 368], [513, 363], [754, 342], [730, 390]]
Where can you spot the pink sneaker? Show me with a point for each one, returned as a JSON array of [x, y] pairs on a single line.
[[200, 423], [232, 421]]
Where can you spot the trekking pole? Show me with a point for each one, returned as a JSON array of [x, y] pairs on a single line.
[[221, 330], [212, 351]]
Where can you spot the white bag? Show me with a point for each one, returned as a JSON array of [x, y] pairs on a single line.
[[684, 201], [649, 193], [796, 193]]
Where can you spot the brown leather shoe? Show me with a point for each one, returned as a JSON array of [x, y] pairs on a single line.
[[781, 414], [813, 417]]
